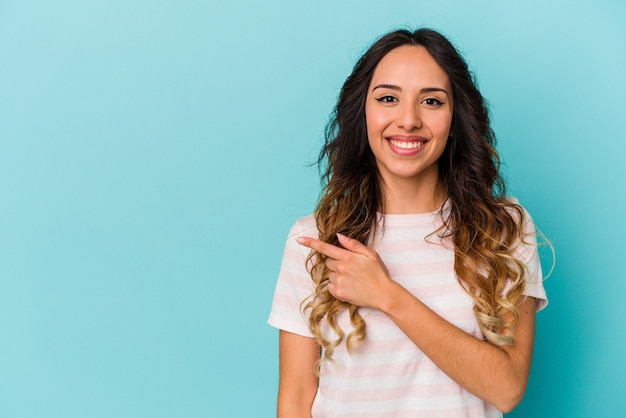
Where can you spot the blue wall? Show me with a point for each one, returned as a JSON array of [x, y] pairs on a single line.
[[153, 156]]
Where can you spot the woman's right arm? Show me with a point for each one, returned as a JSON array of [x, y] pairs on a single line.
[[298, 382]]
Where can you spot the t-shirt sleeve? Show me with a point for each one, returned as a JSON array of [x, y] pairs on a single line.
[[294, 283], [527, 252]]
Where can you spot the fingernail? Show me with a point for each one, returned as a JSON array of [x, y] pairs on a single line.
[[300, 240]]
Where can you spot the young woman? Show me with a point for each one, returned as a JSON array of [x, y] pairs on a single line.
[[412, 289]]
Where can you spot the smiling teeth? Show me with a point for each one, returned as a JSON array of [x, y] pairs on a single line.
[[406, 145]]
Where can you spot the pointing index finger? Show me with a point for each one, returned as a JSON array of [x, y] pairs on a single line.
[[328, 250]]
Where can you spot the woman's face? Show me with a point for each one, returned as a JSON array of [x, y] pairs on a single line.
[[408, 112]]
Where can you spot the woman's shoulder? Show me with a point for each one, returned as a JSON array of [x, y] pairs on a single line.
[[512, 200], [517, 210], [307, 221], [305, 226]]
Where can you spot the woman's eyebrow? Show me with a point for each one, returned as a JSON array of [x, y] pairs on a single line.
[[433, 89], [387, 86], [398, 88]]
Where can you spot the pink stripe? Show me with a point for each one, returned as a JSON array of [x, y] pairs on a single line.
[[480, 410], [390, 369], [415, 391]]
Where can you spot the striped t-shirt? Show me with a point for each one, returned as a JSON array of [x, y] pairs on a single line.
[[388, 376]]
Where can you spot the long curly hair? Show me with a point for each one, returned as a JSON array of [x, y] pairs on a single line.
[[482, 224]]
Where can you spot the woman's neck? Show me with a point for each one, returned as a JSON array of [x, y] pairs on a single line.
[[403, 197]]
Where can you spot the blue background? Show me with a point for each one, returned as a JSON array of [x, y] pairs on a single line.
[[153, 156]]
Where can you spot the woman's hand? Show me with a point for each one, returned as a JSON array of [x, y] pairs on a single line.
[[357, 273]]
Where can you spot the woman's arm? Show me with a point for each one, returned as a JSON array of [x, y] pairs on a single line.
[[298, 382], [497, 375]]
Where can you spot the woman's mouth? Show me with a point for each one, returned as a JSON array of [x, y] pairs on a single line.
[[408, 145]]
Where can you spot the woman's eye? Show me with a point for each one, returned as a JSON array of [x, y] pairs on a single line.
[[386, 99], [432, 102]]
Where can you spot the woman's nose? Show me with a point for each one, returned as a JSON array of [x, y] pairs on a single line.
[[409, 117]]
